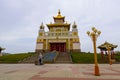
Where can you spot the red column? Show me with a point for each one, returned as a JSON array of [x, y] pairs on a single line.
[[102, 54]]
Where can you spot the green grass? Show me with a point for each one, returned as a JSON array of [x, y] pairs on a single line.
[[77, 57], [14, 58], [82, 57], [117, 58]]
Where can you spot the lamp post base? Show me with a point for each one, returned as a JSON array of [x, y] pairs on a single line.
[[97, 71], [110, 62]]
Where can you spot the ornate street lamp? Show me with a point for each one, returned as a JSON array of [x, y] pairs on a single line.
[[109, 48], [94, 35]]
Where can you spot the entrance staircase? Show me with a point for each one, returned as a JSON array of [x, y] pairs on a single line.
[[50, 57], [63, 57]]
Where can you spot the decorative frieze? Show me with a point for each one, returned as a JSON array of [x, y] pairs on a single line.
[[57, 40]]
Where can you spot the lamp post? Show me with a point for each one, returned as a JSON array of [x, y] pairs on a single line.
[[94, 34], [109, 48]]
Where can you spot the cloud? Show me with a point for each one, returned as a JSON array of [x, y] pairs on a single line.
[[20, 21]]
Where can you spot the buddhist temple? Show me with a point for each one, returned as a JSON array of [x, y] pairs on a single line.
[[59, 37]]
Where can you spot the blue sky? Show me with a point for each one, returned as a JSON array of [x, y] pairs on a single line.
[[20, 21]]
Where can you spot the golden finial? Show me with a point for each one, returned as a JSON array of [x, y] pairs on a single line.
[[74, 23], [59, 12], [58, 15], [42, 26]]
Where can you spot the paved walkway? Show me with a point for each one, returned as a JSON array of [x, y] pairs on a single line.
[[58, 72]]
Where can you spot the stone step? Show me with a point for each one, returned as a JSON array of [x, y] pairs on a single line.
[[63, 62], [64, 58]]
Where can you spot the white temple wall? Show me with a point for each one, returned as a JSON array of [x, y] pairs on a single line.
[[76, 45], [39, 46]]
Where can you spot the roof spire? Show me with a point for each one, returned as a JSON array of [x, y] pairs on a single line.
[[74, 25], [59, 12], [42, 26], [59, 16]]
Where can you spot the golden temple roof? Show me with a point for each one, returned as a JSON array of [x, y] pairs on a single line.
[[58, 21], [106, 44], [59, 15], [58, 25], [64, 24]]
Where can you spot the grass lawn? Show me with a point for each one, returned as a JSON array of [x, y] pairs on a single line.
[[117, 58], [82, 57], [77, 57], [14, 58]]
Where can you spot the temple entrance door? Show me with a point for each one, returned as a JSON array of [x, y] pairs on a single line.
[[61, 47]]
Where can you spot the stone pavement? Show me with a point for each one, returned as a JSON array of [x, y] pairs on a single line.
[[58, 72]]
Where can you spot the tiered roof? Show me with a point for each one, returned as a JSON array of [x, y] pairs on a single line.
[[57, 24], [105, 45]]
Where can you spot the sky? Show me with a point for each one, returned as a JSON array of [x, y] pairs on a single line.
[[20, 21]]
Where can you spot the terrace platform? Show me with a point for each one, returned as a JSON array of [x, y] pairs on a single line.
[[58, 72]]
